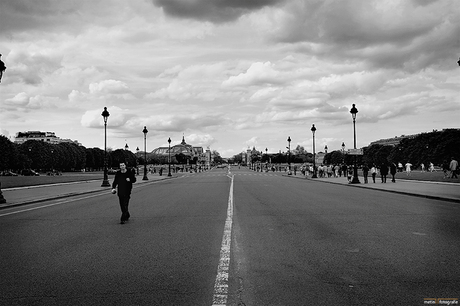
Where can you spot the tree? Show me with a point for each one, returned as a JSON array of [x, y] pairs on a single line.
[[238, 158], [334, 158], [122, 156], [8, 154], [217, 158]]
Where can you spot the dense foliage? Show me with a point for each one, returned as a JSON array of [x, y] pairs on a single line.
[[43, 156], [436, 147]]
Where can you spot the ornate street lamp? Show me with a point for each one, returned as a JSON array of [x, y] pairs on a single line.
[[325, 149], [126, 147], [169, 158], [137, 160], [355, 179], [313, 130], [343, 152], [289, 155], [105, 114], [145, 178]]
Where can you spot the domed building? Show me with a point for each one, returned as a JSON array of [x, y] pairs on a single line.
[[190, 152]]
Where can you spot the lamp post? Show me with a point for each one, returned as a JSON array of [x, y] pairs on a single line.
[[126, 147], [266, 162], [145, 178], [289, 155], [137, 160], [105, 114], [343, 152], [169, 158], [353, 112], [313, 130]]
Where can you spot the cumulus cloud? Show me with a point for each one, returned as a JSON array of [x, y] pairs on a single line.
[[117, 118], [384, 33], [253, 141], [205, 140], [108, 87], [257, 74]]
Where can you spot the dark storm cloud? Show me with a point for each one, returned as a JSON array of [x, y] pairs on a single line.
[[53, 15], [217, 11]]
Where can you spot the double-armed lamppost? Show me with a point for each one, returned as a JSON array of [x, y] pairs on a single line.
[[169, 157], [313, 130], [353, 112], [289, 155], [105, 114], [145, 178]]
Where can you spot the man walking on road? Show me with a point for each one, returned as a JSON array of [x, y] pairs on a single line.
[[124, 180]]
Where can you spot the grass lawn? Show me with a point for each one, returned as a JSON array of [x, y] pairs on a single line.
[[43, 179], [425, 176]]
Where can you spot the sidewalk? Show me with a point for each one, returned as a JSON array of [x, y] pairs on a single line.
[[427, 189], [34, 194]]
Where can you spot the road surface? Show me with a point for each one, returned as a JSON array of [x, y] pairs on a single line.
[[290, 242]]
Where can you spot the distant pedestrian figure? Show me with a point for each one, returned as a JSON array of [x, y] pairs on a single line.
[[445, 168], [344, 170], [393, 172], [423, 167], [373, 172], [453, 166], [400, 167], [365, 173], [2, 68], [431, 168], [408, 168], [384, 172], [350, 173], [124, 179]]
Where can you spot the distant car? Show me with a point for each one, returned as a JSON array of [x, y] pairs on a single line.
[[29, 172], [9, 173]]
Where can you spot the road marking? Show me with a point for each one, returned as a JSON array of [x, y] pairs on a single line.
[[221, 283]]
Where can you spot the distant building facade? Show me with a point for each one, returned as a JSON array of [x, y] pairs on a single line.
[[49, 137], [203, 157]]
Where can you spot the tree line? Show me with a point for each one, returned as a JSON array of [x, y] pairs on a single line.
[[43, 156], [437, 147]]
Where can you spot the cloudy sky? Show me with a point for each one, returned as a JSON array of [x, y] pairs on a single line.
[[229, 74]]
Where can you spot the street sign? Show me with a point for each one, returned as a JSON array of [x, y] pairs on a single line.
[[355, 152]]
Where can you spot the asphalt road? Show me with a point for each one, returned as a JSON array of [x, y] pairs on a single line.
[[293, 242]]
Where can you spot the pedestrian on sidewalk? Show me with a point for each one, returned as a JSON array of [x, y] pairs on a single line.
[[365, 172], [124, 179], [373, 173], [408, 168], [445, 168], [393, 170], [384, 172], [453, 166]]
